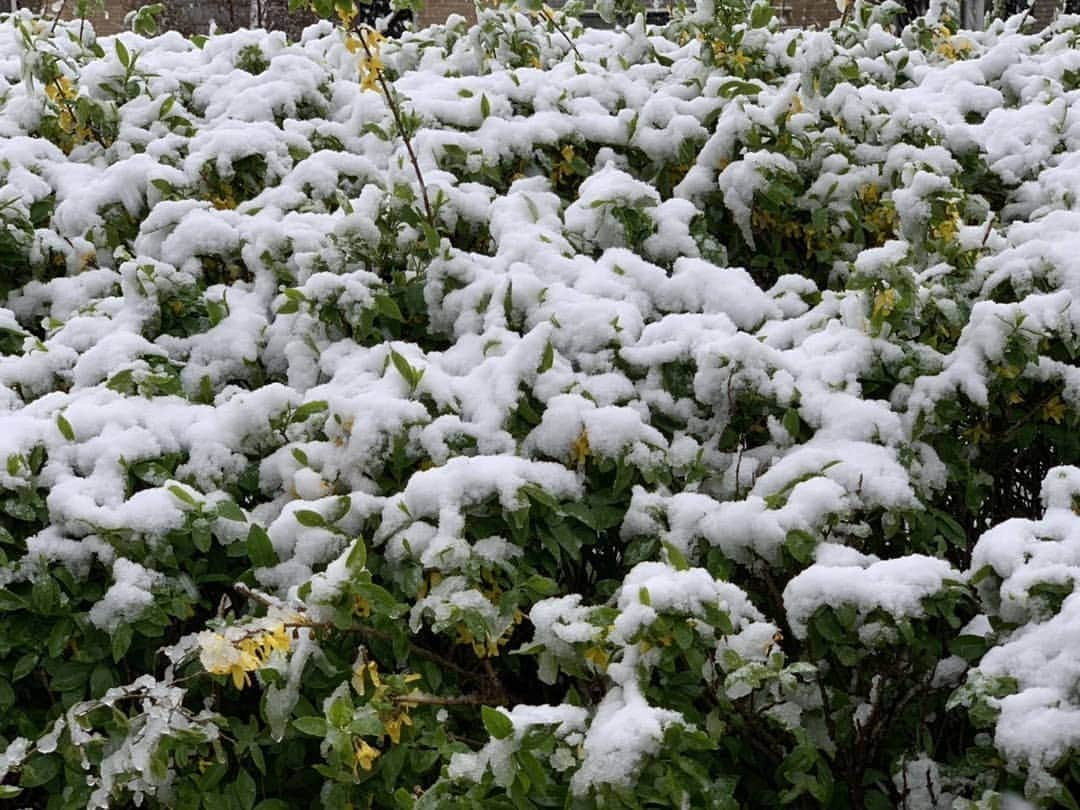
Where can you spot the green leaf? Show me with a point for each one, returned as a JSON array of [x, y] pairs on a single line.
[[315, 726], [801, 546], [792, 422], [970, 648], [259, 548], [10, 601], [547, 360], [676, 559], [307, 410], [341, 712], [39, 770], [122, 53], [497, 724], [485, 105], [737, 87], [761, 14], [245, 790], [182, 495], [65, 427], [309, 518], [24, 666], [230, 511], [121, 640], [357, 558], [388, 308], [407, 372]]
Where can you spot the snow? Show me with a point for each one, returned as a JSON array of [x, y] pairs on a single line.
[[742, 411], [896, 587]]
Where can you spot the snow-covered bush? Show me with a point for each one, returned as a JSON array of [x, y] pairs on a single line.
[[520, 415]]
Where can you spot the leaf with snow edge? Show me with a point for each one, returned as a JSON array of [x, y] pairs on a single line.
[[411, 375], [122, 52], [357, 558], [181, 494], [65, 428], [259, 548], [497, 724], [309, 518], [307, 410], [230, 511], [761, 14]]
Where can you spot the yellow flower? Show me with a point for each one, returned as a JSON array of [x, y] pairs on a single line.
[[219, 656], [579, 450], [346, 16], [369, 81], [884, 303], [946, 231], [394, 724], [1054, 410], [277, 639], [225, 202], [371, 669], [60, 89], [364, 755], [597, 657]]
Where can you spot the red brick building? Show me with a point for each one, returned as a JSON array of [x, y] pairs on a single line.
[[195, 16]]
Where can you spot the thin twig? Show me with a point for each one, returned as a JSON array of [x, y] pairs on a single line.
[[551, 19], [62, 95], [362, 630], [56, 19], [396, 112], [419, 698]]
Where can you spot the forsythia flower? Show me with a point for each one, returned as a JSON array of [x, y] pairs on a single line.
[[369, 63], [276, 640], [394, 724], [238, 657], [364, 755], [372, 670], [220, 657]]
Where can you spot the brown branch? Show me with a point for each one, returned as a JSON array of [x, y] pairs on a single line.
[[399, 123], [421, 699], [56, 19], [551, 19], [362, 630]]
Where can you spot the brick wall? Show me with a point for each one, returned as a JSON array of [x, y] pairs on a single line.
[[436, 11], [194, 16]]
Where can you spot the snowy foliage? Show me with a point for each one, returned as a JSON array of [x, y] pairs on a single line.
[[671, 417]]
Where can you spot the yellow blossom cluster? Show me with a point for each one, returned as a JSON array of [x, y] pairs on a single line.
[[951, 47], [365, 46], [62, 93], [238, 655], [393, 719]]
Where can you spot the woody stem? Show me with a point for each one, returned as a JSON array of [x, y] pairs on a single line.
[[395, 110]]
